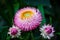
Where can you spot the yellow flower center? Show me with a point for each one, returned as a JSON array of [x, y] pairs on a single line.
[[26, 14]]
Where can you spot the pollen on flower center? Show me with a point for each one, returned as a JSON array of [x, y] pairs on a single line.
[[26, 15]]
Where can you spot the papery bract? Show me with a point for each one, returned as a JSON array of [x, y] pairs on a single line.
[[27, 18]]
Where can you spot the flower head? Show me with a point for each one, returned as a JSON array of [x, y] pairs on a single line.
[[47, 31], [14, 31], [27, 18]]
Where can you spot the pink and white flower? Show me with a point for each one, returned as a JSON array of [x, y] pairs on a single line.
[[14, 31], [27, 18], [47, 31]]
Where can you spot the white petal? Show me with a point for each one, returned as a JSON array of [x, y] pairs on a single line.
[[51, 35], [44, 35], [48, 37], [9, 33], [12, 36]]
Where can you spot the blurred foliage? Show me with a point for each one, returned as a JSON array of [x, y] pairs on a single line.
[[50, 10]]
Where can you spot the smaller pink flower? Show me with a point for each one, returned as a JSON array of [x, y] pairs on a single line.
[[14, 31], [47, 31]]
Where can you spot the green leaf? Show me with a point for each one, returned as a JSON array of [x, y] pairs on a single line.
[[10, 13], [58, 33], [3, 32], [2, 28], [16, 6], [40, 7], [25, 35], [3, 14], [32, 36], [8, 38], [2, 21]]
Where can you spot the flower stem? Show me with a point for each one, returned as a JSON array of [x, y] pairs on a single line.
[[32, 35], [27, 36]]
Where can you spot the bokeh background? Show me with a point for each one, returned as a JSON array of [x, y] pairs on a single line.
[[50, 10]]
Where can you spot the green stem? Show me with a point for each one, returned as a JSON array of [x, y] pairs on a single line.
[[32, 35], [27, 36], [21, 38]]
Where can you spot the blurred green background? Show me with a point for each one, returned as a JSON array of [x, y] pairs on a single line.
[[50, 10]]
